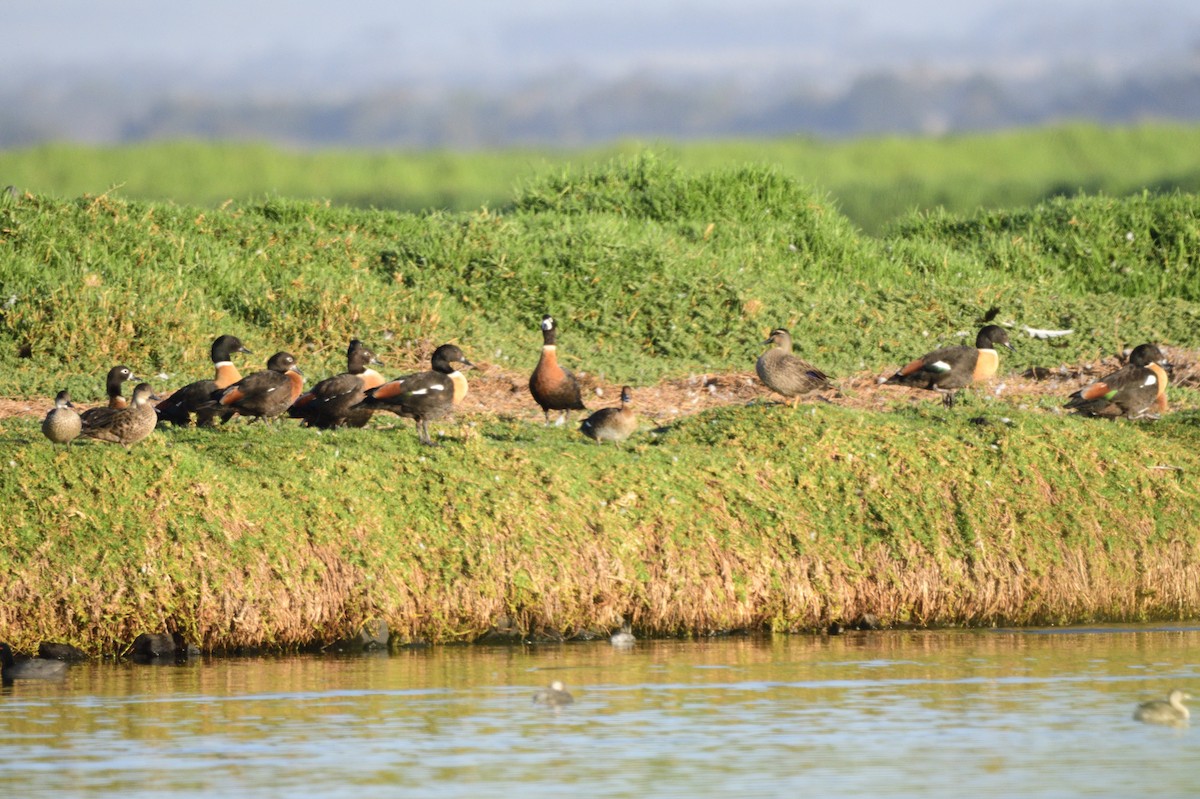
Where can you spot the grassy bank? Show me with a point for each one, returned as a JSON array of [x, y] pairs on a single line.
[[282, 537], [751, 516], [653, 270]]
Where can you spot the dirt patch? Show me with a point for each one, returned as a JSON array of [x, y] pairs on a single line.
[[505, 393]]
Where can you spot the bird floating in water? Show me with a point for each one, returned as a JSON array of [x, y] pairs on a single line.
[[556, 695], [623, 638], [31, 669], [1170, 711]]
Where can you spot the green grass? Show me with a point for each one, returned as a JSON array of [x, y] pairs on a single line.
[[653, 272], [249, 536], [873, 181], [756, 516]]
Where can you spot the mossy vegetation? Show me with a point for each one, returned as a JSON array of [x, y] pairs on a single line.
[[874, 180], [755, 516]]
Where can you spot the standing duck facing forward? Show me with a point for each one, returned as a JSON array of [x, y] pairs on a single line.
[[553, 387]]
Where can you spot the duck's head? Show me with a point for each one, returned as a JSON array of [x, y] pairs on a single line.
[[224, 346], [990, 336], [283, 362], [358, 357], [445, 356], [144, 393], [781, 338], [1146, 354]]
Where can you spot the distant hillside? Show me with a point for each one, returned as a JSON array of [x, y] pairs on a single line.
[[586, 112]]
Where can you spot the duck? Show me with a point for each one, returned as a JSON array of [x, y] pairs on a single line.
[[623, 637], [948, 369], [555, 695], [50, 650], [125, 426], [1170, 711], [177, 409], [62, 424], [116, 378], [153, 647], [553, 387], [31, 669], [1131, 391], [783, 372], [336, 401], [265, 394], [424, 396], [612, 424]]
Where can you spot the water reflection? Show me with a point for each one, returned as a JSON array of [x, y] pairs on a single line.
[[1037, 713]]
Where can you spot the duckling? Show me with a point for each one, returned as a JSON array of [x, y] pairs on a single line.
[[783, 372], [556, 695], [336, 401], [612, 424], [623, 638], [117, 376], [125, 426], [266, 394], [424, 396], [31, 669], [1130, 391], [194, 397], [62, 424], [553, 387], [951, 368], [1170, 711]]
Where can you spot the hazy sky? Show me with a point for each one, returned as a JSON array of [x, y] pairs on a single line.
[[366, 41]]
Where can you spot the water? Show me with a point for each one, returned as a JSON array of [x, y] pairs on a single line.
[[920, 714]]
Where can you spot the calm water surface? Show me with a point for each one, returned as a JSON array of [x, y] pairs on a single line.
[[923, 714]]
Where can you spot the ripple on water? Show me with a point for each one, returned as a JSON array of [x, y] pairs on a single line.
[[928, 714]]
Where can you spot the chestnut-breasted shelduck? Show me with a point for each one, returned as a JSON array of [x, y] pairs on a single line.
[[1137, 389], [553, 387], [266, 394], [194, 398], [337, 401], [948, 369], [424, 396], [112, 383]]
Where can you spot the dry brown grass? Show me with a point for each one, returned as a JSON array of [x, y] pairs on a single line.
[[507, 563]]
